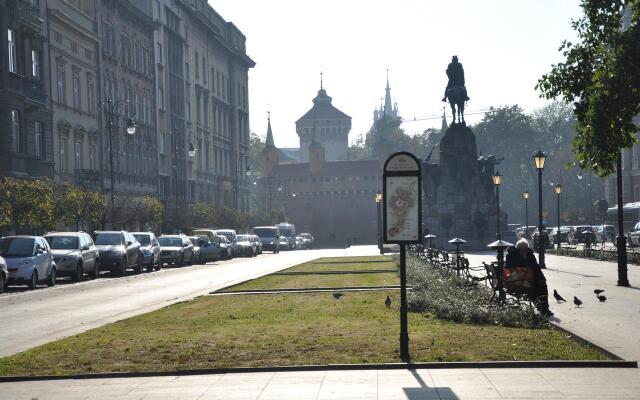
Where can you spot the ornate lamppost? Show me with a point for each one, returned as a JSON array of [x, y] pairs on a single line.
[[110, 106], [497, 181], [539, 159], [378, 199], [558, 190], [525, 195]]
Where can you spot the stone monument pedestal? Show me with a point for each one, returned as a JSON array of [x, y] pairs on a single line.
[[459, 195]]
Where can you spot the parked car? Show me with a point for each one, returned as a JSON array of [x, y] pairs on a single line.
[[211, 250], [225, 247], [204, 232], [269, 237], [545, 240], [580, 233], [289, 231], [246, 247], [605, 233], [565, 233], [284, 243], [29, 260], [633, 237], [118, 251], [299, 243], [176, 249], [74, 254], [232, 238], [308, 240], [258, 242], [4, 275], [525, 232], [150, 250]]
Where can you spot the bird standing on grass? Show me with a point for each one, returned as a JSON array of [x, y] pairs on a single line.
[[598, 291], [558, 297], [602, 298], [387, 302], [577, 301], [337, 295]]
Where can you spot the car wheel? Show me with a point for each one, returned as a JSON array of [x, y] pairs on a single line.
[[95, 274], [159, 264], [181, 263], [3, 279], [33, 283], [77, 277], [140, 264], [52, 278]]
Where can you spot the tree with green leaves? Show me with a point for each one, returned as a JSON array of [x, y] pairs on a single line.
[[26, 205], [76, 205], [601, 78]]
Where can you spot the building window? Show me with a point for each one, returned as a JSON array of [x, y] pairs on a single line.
[[78, 155], [90, 97], [204, 71], [15, 131], [37, 129], [76, 92], [13, 57], [92, 157], [57, 36], [158, 53], [160, 98], [63, 155], [61, 85], [197, 66], [35, 65]]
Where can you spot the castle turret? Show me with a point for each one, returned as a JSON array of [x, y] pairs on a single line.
[[316, 152]]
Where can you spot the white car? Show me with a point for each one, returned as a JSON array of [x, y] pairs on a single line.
[[4, 275], [634, 236]]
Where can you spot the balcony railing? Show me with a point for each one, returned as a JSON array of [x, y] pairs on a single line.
[[29, 15], [34, 90]]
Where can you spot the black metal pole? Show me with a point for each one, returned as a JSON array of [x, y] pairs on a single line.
[[590, 208], [541, 238], [526, 218], [501, 293], [498, 212], [558, 233], [404, 330], [110, 129], [623, 280], [379, 226]]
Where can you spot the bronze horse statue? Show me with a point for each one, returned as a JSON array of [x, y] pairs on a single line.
[[457, 96]]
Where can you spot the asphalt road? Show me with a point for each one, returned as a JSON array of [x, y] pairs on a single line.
[[32, 318]]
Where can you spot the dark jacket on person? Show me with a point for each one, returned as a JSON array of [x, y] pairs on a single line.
[[514, 260]]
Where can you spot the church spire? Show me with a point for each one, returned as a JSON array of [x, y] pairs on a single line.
[[269, 142], [321, 85], [388, 108], [445, 125]]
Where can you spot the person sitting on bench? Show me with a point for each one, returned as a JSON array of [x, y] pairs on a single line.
[[525, 276]]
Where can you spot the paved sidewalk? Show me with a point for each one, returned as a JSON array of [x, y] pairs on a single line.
[[614, 325], [609, 383]]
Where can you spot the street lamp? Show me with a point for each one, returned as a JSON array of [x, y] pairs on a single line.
[[500, 245], [192, 150], [621, 240], [110, 106], [539, 159], [429, 238], [526, 213], [378, 199], [457, 242], [497, 181], [558, 190]]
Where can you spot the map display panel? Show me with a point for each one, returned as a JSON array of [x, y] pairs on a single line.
[[402, 209]]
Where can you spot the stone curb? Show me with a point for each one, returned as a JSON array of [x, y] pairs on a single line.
[[348, 272], [335, 367], [584, 341]]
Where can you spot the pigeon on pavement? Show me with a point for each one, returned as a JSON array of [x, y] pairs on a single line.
[[598, 291], [387, 302], [577, 301], [557, 296], [602, 298]]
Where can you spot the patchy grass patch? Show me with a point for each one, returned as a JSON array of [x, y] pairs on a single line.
[[317, 281], [284, 329]]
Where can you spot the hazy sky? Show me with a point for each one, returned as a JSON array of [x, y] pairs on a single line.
[[504, 45]]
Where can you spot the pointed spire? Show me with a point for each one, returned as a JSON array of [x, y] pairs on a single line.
[[321, 83], [388, 108], [269, 142], [445, 125]]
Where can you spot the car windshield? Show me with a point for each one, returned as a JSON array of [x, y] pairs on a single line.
[[286, 232], [170, 242], [228, 235], [196, 241], [16, 247], [63, 242], [144, 240], [265, 232], [108, 239]]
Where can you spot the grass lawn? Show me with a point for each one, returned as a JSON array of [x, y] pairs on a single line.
[[353, 266], [350, 259], [283, 329]]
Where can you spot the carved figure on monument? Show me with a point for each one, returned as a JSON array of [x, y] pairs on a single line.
[[456, 91]]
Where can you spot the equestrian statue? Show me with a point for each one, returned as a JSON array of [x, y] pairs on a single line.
[[456, 92]]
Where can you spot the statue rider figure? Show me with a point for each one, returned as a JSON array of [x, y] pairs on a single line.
[[455, 73]]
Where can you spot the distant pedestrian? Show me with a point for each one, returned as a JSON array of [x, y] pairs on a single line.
[[527, 276]]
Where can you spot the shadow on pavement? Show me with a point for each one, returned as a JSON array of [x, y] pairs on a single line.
[[426, 392]]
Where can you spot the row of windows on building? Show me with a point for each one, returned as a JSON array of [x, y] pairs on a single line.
[[138, 101], [12, 50], [76, 89], [329, 193], [17, 143], [77, 156], [72, 45], [327, 131], [208, 156], [133, 55], [318, 179]]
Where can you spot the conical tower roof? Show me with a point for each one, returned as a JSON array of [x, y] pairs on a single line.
[[269, 142]]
